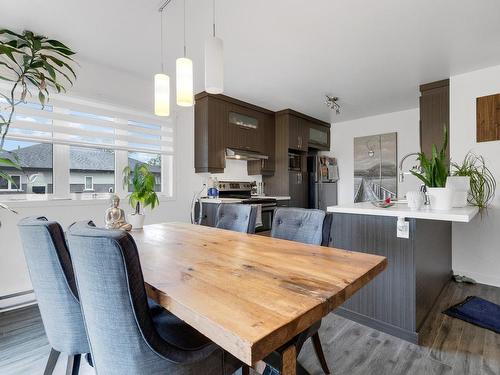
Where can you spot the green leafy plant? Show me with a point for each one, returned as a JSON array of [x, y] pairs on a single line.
[[482, 182], [29, 62], [434, 170], [143, 182]]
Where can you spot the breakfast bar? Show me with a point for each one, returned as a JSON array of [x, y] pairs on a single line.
[[417, 245]]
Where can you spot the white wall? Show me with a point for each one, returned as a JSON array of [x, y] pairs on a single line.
[[120, 88], [476, 245], [405, 123]]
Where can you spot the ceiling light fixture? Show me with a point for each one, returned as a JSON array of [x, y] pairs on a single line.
[[214, 61], [332, 103], [161, 80], [184, 75]]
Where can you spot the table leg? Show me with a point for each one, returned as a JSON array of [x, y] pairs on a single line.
[[289, 361], [245, 370]]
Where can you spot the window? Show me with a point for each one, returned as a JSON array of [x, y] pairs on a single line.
[[75, 145], [91, 170], [11, 185], [152, 160], [89, 183], [36, 162]]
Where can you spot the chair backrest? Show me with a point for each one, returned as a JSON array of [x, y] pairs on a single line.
[[298, 224], [120, 329], [237, 217], [53, 280]]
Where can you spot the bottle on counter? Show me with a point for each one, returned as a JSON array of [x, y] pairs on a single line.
[[213, 187]]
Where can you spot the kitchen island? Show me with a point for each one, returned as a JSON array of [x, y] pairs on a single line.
[[398, 300]]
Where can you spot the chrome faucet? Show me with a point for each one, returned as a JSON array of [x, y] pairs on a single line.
[[401, 173]]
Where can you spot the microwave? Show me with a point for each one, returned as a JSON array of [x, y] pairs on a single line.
[[294, 162]]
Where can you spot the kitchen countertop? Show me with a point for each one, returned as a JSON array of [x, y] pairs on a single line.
[[463, 215], [236, 200]]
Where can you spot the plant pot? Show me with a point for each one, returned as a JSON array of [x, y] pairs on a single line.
[[461, 186], [136, 220], [441, 198]]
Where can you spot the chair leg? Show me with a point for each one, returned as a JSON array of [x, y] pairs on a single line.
[[73, 366], [319, 353], [51, 362]]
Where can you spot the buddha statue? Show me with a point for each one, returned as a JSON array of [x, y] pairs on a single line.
[[115, 216]]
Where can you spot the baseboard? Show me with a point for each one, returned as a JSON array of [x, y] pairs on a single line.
[[480, 277], [378, 325], [17, 300]]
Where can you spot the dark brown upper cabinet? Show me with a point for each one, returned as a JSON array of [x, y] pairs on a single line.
[[488, 118], [296, 133], [222, 122], [434, 114]]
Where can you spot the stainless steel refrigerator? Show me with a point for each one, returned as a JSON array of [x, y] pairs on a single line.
[[323, 176]]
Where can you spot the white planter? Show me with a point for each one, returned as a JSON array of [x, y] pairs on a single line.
[[461, 186], [441, 198], [136, 220]]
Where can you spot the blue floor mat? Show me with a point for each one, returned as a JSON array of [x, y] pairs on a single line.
[[477, 311]]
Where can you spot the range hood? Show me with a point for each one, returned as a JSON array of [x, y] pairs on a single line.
[[232, 153]]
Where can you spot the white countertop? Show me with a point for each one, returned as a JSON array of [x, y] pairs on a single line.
[[235, 200], [463, 215]]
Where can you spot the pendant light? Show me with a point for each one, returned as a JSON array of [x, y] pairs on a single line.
[[162, 82], [184, 75], [214, 61]]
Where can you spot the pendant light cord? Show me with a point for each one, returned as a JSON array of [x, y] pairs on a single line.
[[161, 41], [213, 16], [184, 28]]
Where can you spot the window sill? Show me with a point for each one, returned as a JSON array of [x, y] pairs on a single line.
[[42, 200]]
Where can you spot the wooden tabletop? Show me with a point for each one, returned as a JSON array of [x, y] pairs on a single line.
[[249, 294]]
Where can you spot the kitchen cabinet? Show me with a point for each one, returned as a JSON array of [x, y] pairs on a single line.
[[293, 135], [297, 182], [488, 118], [223, 122], [319, 137], [434, 115], [267, 136]]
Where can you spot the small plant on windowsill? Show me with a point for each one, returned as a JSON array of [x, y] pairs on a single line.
[[28, 62], [143, 195]]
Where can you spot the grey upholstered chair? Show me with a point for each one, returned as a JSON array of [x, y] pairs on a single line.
[[306, 226], [125, 335], [54, 284], [237, 217]]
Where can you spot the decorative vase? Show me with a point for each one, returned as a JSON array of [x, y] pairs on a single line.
[[136, 220], [415, 199], [461, 187], [440, 198]]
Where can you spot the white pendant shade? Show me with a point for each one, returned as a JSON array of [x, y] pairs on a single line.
[[162, 95], [184, 82], [214, 65]]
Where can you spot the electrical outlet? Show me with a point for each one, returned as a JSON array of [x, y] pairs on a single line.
[[402, 228]]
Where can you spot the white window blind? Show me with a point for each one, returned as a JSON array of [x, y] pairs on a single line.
[[74, 121]]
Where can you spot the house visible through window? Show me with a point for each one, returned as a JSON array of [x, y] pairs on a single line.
[[91, 169], [35, 176]]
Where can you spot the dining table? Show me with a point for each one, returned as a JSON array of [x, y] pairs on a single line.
[[250, 294]]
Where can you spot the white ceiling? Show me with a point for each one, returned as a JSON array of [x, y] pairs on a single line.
[[285, 53]]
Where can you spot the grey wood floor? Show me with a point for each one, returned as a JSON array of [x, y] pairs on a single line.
[[449, 346]]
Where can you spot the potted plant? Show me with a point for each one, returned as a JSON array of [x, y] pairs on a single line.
[[143, 195], [434, 171], [481, 183]]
